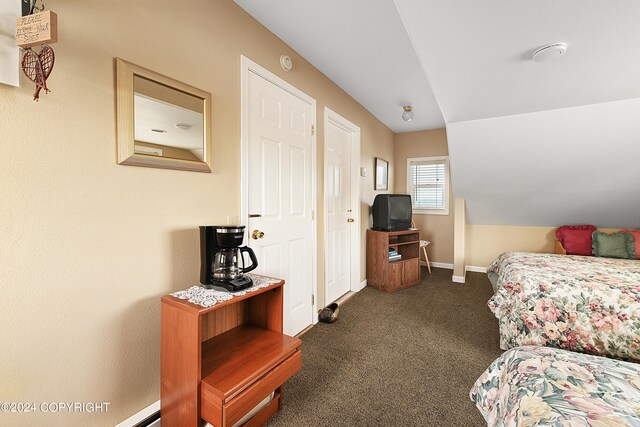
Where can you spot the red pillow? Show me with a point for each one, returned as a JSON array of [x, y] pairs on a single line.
[[636, 240], [576, 239]]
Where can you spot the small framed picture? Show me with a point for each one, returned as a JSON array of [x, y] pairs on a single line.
[[382, 174]]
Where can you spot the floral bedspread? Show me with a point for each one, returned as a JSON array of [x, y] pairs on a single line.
[[586, 304], [541, 386]]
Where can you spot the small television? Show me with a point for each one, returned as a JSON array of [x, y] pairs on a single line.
[[392, 212]]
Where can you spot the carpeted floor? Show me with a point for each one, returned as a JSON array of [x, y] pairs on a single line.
[[402, 359]]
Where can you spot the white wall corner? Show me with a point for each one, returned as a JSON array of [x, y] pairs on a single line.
[[363, 285], [459, 230], [457, 279]]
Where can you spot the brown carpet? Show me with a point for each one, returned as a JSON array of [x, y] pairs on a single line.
[[402, 359]]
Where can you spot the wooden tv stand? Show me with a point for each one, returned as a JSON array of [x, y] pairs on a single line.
[[391, 276], [218, 363]]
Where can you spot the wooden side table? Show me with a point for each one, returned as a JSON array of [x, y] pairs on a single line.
[[218, 363]]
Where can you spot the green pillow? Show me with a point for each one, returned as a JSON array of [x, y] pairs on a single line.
[[614, 245]]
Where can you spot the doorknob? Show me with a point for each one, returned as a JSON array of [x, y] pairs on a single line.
[[350, 219], [257, 234]]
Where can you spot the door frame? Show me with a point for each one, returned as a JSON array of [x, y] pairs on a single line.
[[336, 119], [248, 66]]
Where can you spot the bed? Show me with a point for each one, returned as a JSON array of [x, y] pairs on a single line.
[[535, 386], [580, 303]]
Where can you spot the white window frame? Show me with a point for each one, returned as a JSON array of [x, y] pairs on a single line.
[[447, 185]]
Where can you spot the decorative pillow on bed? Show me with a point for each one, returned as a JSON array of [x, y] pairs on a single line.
[[614, 245], [636, 239], [576, 239]]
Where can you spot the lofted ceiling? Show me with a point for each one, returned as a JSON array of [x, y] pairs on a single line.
[[569, 166], [362, 46], [460, 60]]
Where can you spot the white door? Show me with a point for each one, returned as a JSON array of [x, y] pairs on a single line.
[[279, 134], [340, 210]]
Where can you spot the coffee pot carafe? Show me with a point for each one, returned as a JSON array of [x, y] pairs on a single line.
[[226, 260], [222, 260]]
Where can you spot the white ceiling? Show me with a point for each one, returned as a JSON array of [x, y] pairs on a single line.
[[362, 46], [473, 54], [476, 53]]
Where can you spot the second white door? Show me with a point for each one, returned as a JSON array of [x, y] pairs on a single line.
[[340, 216]]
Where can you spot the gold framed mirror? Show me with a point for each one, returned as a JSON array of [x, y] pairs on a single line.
[[161, 122]]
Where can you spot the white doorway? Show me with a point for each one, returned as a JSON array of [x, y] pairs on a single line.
[[341, 206], [279, 187]]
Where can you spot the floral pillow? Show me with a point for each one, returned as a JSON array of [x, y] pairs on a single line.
[[636, 239], [576, 239]]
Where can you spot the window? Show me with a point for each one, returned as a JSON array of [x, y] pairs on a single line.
[[428, 184]]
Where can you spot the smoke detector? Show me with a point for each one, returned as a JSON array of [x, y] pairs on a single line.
[[549, 52], [286, 63]]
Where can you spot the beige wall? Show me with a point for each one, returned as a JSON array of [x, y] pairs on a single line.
[[436, 228], [87, 247], [485, 242]]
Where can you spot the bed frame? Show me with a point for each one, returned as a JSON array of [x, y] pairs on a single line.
[[559, 249]]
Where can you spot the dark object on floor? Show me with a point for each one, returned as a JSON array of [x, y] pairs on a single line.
[[329, 314]]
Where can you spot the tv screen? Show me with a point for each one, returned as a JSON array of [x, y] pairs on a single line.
[[392, 212], [400, 208]]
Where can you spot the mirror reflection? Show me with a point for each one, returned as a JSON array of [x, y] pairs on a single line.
[[161, 122], [167, 122]]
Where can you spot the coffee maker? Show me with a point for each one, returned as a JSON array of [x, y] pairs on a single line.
[[220, 254]]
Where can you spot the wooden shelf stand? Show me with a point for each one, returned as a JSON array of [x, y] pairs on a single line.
[[218, 363], [391, 276]]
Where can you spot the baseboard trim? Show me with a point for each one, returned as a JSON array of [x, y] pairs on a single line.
[[476, 269], [143, 418], [441, 265], [362, 285], [458, 279]]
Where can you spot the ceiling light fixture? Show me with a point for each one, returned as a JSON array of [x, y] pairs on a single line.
[[407, 114], [548, 52]]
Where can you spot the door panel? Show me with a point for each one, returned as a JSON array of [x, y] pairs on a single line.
[[411, 272], [297, 254], [297, 187], [280, 191], [271, 110], [270, 200], [269, 263]]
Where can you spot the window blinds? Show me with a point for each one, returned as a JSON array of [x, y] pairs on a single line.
[[427, 180]]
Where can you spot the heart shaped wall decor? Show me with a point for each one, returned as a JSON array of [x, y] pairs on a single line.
[[37, 67]]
